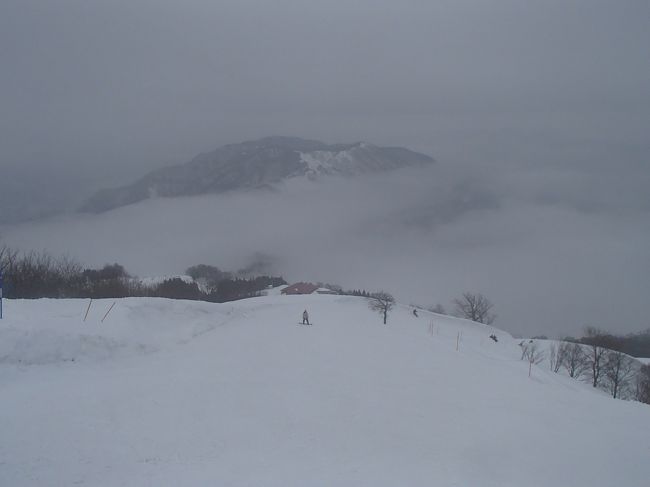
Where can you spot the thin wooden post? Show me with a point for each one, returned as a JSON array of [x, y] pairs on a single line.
[[88, 309], [530, 368], [109, 310], [457, 340]]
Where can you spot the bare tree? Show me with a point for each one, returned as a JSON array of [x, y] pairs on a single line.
[[70, 276], [532, 353], [574, 359], [381, 302], [7, 258], [475, 307], [556, 356], [596, 355], [643, 384], [619, 370]]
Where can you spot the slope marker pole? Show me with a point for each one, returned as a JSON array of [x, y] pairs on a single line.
[[109, 310], [88, 309]]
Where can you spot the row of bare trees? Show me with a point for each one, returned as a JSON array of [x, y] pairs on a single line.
[[470, 306], [40, 275], [34, 275], [594, 359]]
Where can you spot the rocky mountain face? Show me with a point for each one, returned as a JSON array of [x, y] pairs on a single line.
[[256, 164]]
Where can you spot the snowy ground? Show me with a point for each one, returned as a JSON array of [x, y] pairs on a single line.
[[169, 393]]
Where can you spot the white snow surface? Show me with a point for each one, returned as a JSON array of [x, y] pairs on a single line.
[[327, 162], [169, 393], [274, 291], [347, 162], [151, 281]]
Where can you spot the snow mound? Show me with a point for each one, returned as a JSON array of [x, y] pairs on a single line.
[[39, 347], [50, 331]]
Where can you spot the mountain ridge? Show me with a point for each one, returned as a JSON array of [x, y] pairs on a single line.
[[254, 164]]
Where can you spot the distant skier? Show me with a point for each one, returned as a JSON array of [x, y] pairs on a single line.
[[415, 312], [305, 318]]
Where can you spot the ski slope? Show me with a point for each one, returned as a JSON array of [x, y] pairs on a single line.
[[170, 393]]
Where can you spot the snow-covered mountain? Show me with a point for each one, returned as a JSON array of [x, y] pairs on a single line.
[[257, 164], [167, 393]]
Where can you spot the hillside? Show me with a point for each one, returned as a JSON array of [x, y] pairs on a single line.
[[168, 393], [256, 164]]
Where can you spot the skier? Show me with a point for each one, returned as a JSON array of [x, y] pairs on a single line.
[[305, 318], [415, 312]]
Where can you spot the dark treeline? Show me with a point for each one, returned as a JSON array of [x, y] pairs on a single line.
[[634, 344], [219, 286], [227, 289], [357, 292], [39, 275]]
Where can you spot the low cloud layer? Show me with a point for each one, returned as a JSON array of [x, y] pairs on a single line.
[[426, 235]]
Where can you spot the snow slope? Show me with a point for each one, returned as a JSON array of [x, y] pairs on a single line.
[[168, 393]]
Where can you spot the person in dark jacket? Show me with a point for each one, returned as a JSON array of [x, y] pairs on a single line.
[[305, 318]]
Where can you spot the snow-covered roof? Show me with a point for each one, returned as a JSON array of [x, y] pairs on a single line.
[[300, 288]]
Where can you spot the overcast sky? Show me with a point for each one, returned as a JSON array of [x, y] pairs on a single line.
[[547, 103]]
